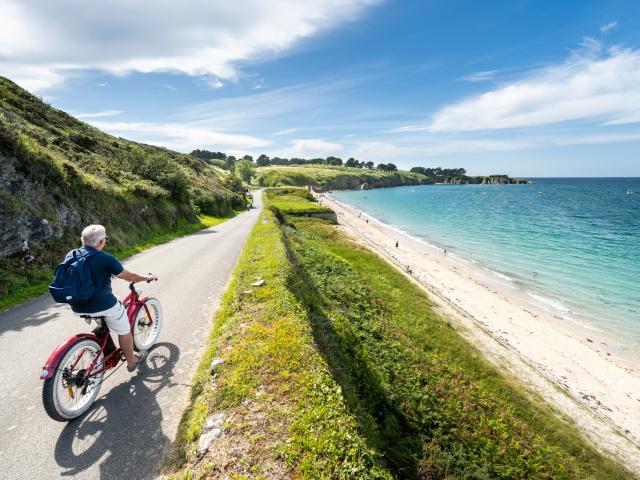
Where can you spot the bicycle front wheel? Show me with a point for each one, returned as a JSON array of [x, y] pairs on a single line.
[[147, 325], [70, 392]]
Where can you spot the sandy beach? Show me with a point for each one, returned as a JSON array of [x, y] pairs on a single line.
[[576, 374]]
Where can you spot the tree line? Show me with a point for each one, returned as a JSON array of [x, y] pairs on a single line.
[[245, 165], [228, 161]]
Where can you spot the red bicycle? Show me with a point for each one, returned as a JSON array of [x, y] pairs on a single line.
[[75, 370]]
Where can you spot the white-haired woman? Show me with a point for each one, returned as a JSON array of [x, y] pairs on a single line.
[[104, 303]]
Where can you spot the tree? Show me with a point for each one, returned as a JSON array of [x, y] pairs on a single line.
[[387, 167], [369, 165], [263, 161], [245, 170], [230, 161], [351, 162], [207, 155], [248, 157]]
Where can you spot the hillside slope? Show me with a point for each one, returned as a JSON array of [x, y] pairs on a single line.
[[326, 177], [331, 177], [58, 174]]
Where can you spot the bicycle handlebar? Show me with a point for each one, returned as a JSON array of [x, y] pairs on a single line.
[[131, 284]]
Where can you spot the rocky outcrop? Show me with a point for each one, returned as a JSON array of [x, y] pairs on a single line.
[[22, 225], [488, 180]]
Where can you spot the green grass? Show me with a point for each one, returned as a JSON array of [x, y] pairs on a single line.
[[19, 287], [421, 392], [294, 201], [272, 364], [299, 207]]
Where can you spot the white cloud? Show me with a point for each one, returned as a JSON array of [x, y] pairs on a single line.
[[480, 76], [105, 113], [41, 43], [608, 26], [602, 87], [285, 132], [181, 136], [310, 148], [233, 112], [436, 145]]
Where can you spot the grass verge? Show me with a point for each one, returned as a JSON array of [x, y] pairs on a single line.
[[20, 288], [285, 415]]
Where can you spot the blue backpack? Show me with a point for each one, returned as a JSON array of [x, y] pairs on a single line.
[[72, 282]]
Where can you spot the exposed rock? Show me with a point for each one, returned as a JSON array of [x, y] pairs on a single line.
[[212, 430], [259, 283], [215, 363], [21, 228]]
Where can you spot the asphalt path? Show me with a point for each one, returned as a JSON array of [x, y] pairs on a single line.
[[136, 416]]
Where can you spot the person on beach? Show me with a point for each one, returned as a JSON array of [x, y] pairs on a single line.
[[445, 251], [396, 244]]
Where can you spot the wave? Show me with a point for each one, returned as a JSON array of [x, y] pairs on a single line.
[[501, 275], [552, 302]]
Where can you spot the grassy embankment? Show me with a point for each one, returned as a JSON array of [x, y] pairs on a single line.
[[60, 174], [327, 177], [339, 367], [294, 201]]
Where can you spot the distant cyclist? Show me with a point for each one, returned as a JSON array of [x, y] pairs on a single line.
[[103, 303]]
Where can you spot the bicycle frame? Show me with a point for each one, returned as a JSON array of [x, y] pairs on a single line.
[[133, 303]]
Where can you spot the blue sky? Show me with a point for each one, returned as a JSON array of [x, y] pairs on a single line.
[[531, 88]]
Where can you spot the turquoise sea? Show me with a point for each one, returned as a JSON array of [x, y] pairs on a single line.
[[572, 244]]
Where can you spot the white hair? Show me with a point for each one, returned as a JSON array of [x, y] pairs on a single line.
[[93, 235]]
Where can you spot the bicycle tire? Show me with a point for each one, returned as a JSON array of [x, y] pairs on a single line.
[[50, 400], [141, 342]]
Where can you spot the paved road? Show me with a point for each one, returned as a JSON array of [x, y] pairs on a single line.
[[135, 417]]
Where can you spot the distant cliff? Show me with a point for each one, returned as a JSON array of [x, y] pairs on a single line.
[[325, 177], [335, 178]]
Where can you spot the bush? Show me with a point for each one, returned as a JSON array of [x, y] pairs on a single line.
[[165, 172]]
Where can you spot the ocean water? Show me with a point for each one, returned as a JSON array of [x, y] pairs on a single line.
[[570, 245]]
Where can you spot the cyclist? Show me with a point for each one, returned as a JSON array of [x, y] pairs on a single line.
[[103, 303]]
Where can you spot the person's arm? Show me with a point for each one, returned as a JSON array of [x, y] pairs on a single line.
[[134, 277]]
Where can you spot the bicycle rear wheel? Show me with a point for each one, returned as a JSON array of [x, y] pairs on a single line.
[[69, 393], [147, 325]]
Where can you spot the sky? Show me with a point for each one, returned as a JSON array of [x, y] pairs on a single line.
[[526, 88]]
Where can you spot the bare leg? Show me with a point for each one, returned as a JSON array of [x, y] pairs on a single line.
[[126, 344]]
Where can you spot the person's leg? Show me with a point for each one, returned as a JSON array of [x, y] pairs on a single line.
[[118, 323], [126, 344]]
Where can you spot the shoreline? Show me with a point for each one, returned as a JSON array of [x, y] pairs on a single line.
[[553, 308], [568, 370]]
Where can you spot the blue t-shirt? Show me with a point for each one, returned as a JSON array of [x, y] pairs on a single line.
[[101, 266]]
